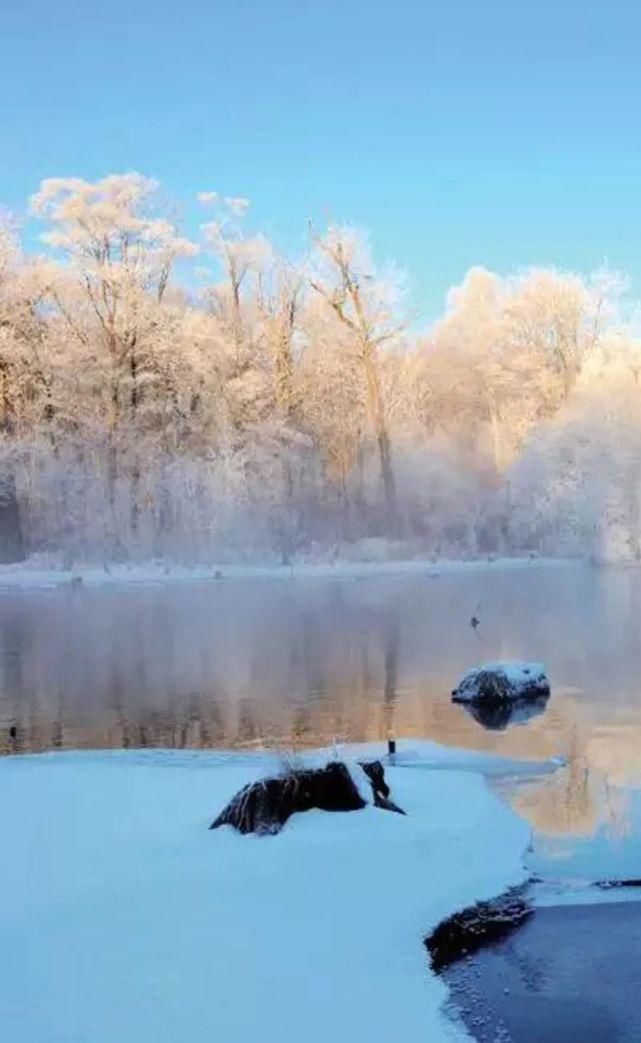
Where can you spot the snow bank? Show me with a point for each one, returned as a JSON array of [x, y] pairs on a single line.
[[40, 574], [124, 918]]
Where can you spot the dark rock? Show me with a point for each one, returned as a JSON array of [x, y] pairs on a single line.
[[380, 790], [386, 804], [376, 775], [265, 806], [482, 924]]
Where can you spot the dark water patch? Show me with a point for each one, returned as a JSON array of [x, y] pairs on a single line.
[[609, 885], [569, 973]]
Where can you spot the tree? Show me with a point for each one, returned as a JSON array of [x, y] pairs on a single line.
[[141, 418], [363, 305], [118, 260]]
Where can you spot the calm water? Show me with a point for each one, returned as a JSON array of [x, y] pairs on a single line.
[[571, 973], [306, 661]]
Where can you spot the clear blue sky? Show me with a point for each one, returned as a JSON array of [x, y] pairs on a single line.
[[497, 133]]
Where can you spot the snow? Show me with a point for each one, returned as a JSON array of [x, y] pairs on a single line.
[[40, 573], [520, 677], [124, 918]]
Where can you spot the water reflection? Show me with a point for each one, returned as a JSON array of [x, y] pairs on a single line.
[[497, 714], [308, 662]]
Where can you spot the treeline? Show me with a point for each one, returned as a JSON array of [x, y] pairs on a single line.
[[163, 398]]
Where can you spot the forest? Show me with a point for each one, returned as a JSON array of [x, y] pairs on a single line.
[[208, 399]]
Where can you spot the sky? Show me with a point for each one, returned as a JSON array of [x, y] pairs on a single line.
[[491, 133]]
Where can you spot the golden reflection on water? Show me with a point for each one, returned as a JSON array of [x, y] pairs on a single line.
[[602, 758], [307, 666]]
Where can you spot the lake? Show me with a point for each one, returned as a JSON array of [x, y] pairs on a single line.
[[299, 662]]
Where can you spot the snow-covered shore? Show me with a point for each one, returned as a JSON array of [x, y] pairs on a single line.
[[36, 574], [125, 919]]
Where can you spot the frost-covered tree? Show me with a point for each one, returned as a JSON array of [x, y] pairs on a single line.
[[116, 260], [364, 305], [155, 405]]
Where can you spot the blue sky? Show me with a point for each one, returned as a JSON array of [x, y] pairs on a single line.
[[490, 133]]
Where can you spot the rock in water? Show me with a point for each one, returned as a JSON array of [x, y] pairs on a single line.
[[499, 682], [265, 806]]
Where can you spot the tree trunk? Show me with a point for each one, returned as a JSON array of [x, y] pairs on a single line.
[[134, 489], [112, 425], [284, 377], [377, 415], [498, 452]]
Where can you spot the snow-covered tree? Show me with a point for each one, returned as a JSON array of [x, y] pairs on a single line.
[[155, 404]]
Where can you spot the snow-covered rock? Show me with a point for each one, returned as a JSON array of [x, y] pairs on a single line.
[[266, 805], [495, 682]]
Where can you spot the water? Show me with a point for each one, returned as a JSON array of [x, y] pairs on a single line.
[[571, 973], [303, 662]]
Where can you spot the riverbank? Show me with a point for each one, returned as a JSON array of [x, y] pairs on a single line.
[[37, 573]]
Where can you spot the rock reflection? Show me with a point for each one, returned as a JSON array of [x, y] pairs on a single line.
[[497, 715]]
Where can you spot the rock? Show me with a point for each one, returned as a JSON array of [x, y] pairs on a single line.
[[376, 775], [500, 682], [479, 925], [265, 806]]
